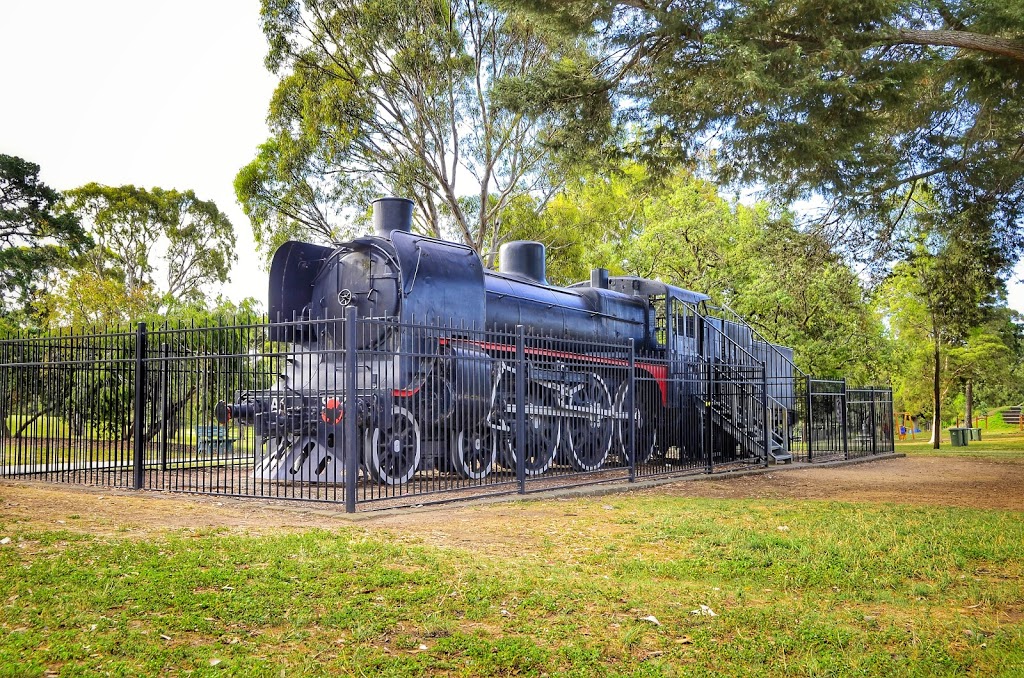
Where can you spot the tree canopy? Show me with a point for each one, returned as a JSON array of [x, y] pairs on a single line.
[[395, 98], [790, 285], [155, 249], [35, 233], [866, 102]]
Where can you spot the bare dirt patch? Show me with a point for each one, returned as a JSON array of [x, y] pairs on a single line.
[[975, 483], [935, 481]]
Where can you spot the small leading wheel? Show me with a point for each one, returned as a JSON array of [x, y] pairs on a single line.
[[472, 453], [543, 433], [645, 429], [392, 453], [590, 433]]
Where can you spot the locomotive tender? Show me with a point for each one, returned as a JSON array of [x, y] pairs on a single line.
[[436, 372]]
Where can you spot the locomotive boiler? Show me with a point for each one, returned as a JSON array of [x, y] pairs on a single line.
[[435, 361]]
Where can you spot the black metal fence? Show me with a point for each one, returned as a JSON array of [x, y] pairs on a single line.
[[377, 413]]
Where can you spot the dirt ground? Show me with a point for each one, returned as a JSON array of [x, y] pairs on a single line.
[[102, 511]]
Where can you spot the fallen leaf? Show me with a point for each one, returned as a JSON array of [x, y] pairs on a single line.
[[214, 662], [685, 640], [5, 540], [783, 528], [651, 618], [165, 637]]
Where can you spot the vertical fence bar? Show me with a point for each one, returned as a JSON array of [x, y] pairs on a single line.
[[708, 433], [140, 405], [520, 400], [810, 420], [631, 409], [767, 414], [843, 403], [871, 421], [164, 374], [351, 431]]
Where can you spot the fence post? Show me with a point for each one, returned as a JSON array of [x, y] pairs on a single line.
[[631, 409], [810, 422], [767, 414], [351, 430], [140, 407], [842, 421], [520, 399]]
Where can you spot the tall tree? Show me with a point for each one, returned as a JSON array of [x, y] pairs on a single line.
[[395, 97], [788, 284], [867, 102], [934, 299], [36, 235], [154, 249]]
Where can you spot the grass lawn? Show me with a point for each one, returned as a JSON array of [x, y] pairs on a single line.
[[999, 442], [797, 588]]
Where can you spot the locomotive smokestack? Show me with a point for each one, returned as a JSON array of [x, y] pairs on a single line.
[[523, 258], [392, 214], [599, 278]]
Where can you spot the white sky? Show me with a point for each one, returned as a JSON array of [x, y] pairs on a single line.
[[169, 94]]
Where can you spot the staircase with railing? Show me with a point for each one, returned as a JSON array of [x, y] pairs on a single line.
[[770, 423]]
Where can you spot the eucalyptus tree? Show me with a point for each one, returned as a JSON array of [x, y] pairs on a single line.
[[789, 284], [154, 249], [935, 300], [36, 235], [396, 98]]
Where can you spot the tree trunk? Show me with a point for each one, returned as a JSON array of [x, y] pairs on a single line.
[[937, 401], [969, 404], [31, 420]]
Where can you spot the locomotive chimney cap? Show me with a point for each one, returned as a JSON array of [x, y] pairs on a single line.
[[525, 259], [392, 214]]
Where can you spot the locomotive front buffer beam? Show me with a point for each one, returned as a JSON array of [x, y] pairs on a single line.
[[301, 436]]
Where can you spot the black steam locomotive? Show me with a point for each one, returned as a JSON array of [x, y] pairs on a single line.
[[444, 399]]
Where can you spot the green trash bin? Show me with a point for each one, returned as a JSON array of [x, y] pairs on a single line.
[[958, 436], [975, 433]]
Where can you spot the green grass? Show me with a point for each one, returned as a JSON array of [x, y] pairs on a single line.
[[58, 427], [1003, 444], [46, 440], [843, 590]]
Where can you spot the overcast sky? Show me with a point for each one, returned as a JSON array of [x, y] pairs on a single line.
[[169, 94]]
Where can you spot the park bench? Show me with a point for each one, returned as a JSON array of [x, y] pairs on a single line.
[[213, 440]]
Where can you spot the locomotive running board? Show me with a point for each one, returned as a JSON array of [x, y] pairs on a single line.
[[563, 410]]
